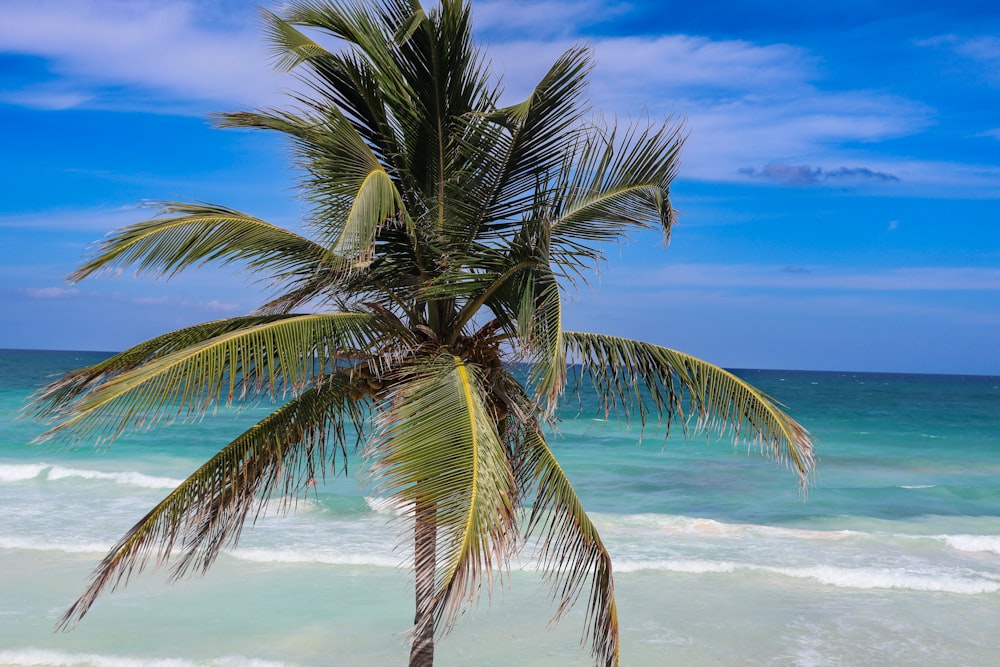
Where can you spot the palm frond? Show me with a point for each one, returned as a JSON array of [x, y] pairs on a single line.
[[571, 551], [195, 234], [541, 332], [413, 16], [438, 447], [649, 380], [351, 192], [55, 398], [346, 83], [524, 296], [367, 34], [289, 47], [543, 127], [285, 354], [375, 202], [206, 512], [613, 184]]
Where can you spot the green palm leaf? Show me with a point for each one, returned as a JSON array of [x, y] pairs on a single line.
[[542, 127], [613, 185], [290, 47], [352, 193], [544, 337], [56, 399], [285, 354], [206, 512], [571, 551], [374, 203], [439, 447], [631, 376], [201, 233]]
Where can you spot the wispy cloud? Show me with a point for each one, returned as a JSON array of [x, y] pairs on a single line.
[[94, 220], [178, 302], [981, 50], [744, 103], [169, 50], [985, 49], [637, 68], [499, 21], [50, 292], [47, 98], [171, 301]]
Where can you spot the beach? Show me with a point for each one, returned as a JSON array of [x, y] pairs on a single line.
[[891, 558]]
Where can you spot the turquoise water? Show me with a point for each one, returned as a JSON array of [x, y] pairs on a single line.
[[892, 559]]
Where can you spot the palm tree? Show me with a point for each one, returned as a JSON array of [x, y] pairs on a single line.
[[443, 231]]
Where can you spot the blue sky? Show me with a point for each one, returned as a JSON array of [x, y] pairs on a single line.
[[839, 190]]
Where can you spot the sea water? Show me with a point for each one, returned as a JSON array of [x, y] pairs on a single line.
[[892, 558]]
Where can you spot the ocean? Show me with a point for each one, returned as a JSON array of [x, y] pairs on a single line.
[[892, 558]]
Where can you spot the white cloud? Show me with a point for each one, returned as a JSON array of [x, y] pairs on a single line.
[[983, 49], [96, 220], [46, 98], [50, 292], [544, 18], [653, 69], [745, 104], [697, 63], [165, 49], [213, 305]]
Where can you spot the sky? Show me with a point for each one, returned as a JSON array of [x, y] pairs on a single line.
[[839, 188]]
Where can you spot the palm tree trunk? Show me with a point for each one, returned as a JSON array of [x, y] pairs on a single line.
[[425, 543]]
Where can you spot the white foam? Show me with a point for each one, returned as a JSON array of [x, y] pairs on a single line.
[[320, 556], [868, 578], [126, 477], [387, 506], [28, 471], [858, 578], [35, 544], [684, 566], [974, 543], [37, 657], [696, 526], [21, 472], [917, 486]]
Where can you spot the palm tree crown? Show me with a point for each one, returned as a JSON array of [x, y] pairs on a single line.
[[442, 232]]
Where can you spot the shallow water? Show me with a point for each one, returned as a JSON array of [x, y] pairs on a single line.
[[893, 558]]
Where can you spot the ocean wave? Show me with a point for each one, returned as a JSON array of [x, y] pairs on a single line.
[[38, 657], [698, 526], [25, 472], [841, 577], [974, 543], [321, 556], [683, 566], [387, 506], [868, 578], [35, 544], [21, 472]]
